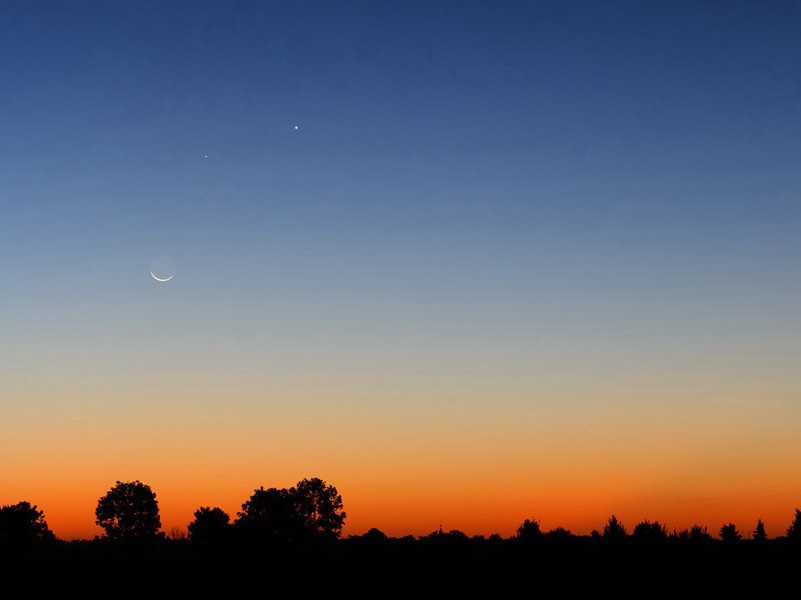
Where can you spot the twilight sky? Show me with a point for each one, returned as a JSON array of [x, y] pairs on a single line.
[[518, 258]]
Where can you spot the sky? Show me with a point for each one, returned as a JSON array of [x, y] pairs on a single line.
[[469, 262]]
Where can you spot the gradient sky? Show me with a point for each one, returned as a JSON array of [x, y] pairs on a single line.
[[519, 258]]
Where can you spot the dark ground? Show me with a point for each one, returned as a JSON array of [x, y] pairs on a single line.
[[401, 567]]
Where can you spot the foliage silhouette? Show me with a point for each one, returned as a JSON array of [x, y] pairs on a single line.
[[614, 530], [312, 511], [794, 531], [648, 532], [559, 534], [269, 516], [529, 531], [129, 512], [375, 536], [210, 526], [320, 509], [729, 534], [759, 533], [699, 534], [454, 536], [23, 525]]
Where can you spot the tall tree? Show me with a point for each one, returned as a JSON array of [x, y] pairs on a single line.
[[794, 531], [759, 533], [129, 512]]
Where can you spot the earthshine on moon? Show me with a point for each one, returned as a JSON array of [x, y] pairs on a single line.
[[162, 269]]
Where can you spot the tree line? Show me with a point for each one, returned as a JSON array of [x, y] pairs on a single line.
[[312, 513]]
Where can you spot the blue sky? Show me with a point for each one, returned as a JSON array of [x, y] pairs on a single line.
[[461, 161]]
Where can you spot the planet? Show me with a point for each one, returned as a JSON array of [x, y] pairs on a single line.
[[162, 269]]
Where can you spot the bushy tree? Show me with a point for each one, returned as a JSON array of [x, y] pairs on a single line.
[[269, 516], [759, 533], [729, 534], [22, 525], [319, 507], [529, 531], [312, 511], [614, 529], [210, 526], [794, 531], [129, 512]]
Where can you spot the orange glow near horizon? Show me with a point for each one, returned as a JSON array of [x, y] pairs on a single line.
[[408, 469]]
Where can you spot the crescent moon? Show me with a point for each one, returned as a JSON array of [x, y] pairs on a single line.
[[160, 279]]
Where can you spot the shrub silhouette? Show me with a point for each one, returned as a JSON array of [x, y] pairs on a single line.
[[698, 533], [529, 531], [129, 512], [454, 536], [614, 530], [23, 525], [210, 526], [649, 532], [375, 536], [559, 534], [794, 531], [759, 533], [729, 534]]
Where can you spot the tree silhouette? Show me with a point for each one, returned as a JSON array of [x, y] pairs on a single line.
[[649, 532], [22, 524], [319, 507], [559, 534], [311, 511], [129, 512], [794, 531], [529, 531], [614, 529], [759, 532], [269, 516], [698, 534], [210, 526], [374, 536], [454, 536], [729, 534]]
